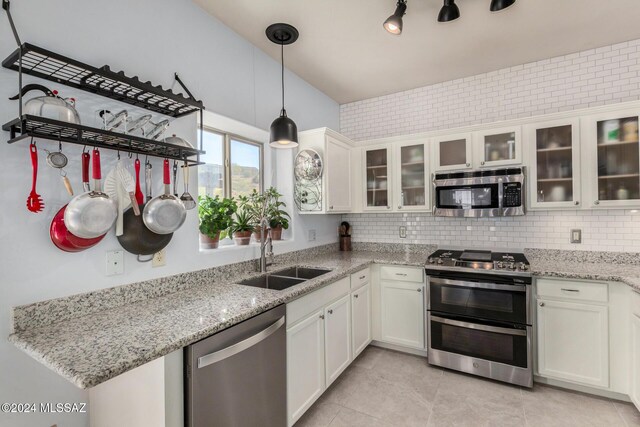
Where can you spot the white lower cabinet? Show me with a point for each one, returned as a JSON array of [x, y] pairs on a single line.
[[337, 338], [635, 360], [361, 318], [402, 313], [573, 341], [305, 364]]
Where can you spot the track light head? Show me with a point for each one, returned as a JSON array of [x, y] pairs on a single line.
[[497, 5], [449, 11], [393, 24]]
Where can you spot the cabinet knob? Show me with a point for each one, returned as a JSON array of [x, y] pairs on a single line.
[[419, 289], [541, 304], [399, 206], [597, 202], [482, 162], [576, 203], [388, 207], [362, 277], [330, 207], [355, 295], [330, 311], [468, 164], [322, 316]]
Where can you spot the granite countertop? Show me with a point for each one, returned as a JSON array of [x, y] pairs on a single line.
[[94, 348]]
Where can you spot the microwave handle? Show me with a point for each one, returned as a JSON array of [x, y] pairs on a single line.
[[479, 327], [500, 194]]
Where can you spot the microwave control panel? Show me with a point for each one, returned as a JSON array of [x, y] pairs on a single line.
[[512, 195]]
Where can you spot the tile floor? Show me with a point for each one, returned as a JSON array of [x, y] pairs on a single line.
[[384, 388]]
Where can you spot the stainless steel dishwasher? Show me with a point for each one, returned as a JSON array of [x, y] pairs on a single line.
[[238, 377]]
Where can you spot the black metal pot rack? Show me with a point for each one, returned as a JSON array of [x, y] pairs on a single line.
[[48, 65]]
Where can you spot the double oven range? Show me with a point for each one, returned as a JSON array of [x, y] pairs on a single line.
[[479, 316]]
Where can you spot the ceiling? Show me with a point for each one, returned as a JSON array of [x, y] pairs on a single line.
[[344, 51]]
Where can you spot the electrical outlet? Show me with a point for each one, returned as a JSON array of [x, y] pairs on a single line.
[[115, 263], [403, 232], [159, 259], [312, 235], [576, 235]]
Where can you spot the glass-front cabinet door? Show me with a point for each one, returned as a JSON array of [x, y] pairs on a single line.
[[554, 165], [498, 147], [377, 179], [411, 184], [451, 152], [614, 159]]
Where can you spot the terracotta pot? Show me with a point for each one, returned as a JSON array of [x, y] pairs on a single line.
[[207, 242], [276, 233], [242, 237], [256, 234]]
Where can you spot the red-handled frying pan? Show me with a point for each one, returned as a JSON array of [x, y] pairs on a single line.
[[61, 237]]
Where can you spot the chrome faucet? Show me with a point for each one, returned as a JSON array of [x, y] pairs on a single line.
[[265, 239]]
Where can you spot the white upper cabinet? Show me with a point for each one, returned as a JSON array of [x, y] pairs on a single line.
[[452, 152], [332, 192], [377, 178], [612, 158], [554, 163], [497, 147], [411, 176]]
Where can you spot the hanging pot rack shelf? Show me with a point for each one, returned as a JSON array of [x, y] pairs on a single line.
[[39, 62]]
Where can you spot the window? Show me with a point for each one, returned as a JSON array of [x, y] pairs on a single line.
[[233, 165]]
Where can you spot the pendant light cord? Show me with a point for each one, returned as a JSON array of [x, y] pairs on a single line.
[[282, 69]]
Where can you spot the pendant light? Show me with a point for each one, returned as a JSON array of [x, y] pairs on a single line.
[[497, 5], [393, 24], [449, 12], [284, 132]]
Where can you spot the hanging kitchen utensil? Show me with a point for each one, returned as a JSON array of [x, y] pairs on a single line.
[[66, 182], [175, 178], [138, 191], [115, 192], [126, 182], [34, 201], [61, 237], [166, 213], [137, 238], [91, 214], [187, 200], [157, 129], [85, 171], [56, 159], [50, 106]]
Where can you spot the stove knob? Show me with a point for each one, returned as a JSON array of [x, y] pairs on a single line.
[[512, 266], [500, 264], [439, 260], [522, 266], [431, 260]]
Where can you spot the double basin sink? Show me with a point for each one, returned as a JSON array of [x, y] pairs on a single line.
[[286, 278]]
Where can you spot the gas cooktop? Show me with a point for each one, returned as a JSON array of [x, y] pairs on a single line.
[[479, 260]]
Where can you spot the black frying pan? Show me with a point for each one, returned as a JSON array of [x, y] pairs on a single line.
[[136, 237]]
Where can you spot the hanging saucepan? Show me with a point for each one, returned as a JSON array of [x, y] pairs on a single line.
[[164, 214], [91, 214], [50, 106], [60, 235], [136, 237]]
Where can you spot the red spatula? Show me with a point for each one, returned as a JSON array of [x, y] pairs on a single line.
[[34, 201]]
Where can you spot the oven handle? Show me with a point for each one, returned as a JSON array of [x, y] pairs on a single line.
[[479, 327], [461, 283]]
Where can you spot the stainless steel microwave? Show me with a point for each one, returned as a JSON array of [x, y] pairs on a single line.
[[479, 193]]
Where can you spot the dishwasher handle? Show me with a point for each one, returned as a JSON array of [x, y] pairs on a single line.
[[241, 346]]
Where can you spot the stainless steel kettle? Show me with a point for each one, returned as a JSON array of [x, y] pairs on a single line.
[[50, 106]]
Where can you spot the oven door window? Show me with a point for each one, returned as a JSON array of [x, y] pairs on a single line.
[[491, 304], [508, 346], [480, 196]]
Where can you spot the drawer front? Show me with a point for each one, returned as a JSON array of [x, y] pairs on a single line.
[[360, 278], [403, 274], [573, 290], [302, 307], [635, 304]]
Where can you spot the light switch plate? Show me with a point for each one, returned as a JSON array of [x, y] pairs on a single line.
[[115, 263], [159, 259], [403, 232], [576, 235]]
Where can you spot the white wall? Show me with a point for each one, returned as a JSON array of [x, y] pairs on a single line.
[[151, 39], [607, 75]]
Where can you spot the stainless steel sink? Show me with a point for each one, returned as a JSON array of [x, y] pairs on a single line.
[[302, 272], [270, 281]]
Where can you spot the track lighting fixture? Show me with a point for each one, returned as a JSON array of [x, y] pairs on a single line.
[[393, 24], [497, 5], [449, 11]]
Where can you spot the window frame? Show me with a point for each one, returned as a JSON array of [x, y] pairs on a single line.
[[226, 157]]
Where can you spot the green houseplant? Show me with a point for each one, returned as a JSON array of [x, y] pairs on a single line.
[[242, 226], [278, 218], [215, 215]]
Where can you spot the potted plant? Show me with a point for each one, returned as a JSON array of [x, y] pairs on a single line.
[[215, 215], [242, 226], [278, 218]]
